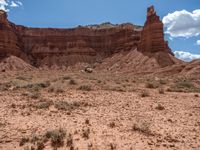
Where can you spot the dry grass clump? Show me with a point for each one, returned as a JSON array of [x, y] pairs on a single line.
[[184, 86], [67, 106], [152, 85], [56, 136], [44, 105], [56, 88], [142, 127], [34, 95], [85, 88]]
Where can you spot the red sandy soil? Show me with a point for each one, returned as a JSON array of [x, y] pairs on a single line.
[[113, 110]]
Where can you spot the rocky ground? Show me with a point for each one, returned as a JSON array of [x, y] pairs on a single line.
[[98, 111]]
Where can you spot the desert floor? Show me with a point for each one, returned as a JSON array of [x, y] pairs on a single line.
[[98, 111]]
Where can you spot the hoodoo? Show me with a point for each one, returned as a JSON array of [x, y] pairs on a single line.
[[152, 37]]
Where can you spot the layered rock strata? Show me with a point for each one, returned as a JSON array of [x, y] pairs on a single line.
[[152, 36], [64, 47]]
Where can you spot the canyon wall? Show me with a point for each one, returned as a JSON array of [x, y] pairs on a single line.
[[79, 44], [64, 47]]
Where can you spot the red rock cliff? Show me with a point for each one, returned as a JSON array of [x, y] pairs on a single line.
[[64, 47], [9, 43], [68, 46]]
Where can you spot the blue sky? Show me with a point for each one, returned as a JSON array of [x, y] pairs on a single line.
[[71, 13]]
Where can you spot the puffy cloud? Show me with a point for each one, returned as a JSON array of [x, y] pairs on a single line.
[[198, 42], [186, 56], [3, 5], [183, 23], [6, 4]]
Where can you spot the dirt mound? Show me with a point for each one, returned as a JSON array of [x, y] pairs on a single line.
[[14, 63], [138, 62], [192, 69]]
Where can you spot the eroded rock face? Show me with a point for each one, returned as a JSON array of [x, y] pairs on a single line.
[[64, 47], [82, 44], [9, 43], [152, 37]]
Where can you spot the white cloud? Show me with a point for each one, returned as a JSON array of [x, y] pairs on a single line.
[[6, 4], [183, 23], [198, 42], [13, 4], [186, 56]]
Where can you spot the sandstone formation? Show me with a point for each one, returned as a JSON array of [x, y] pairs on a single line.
[[64, 47], [9, 43], [152, 38]]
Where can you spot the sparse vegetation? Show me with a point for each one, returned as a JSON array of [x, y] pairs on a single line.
[[66, 78], [57, 88], [145, 93], [23, 141], [152, 85], [161, 81], [57, 137], [112, 124], [43, 105], [184, 86], [72, 82], [67, 106], [70, 141], [159, 107], [86, 133], [85, 88], [113, 146], [35, 95], [142, 127], [161, 91]]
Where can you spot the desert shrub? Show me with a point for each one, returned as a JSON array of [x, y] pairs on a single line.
[[58, 88], [159, 107], [72, 82], [142, 127], [86, 133], [35, 86], [161, 81], [183, 86], [118, 89], [152, 85], [145, 93], [67, 106], [85, 88], [35, 95], [113, 146], [112, 124], [22, 78], [161, 91], [66, 78], [57, 137], [23, 141], [69, 141], [40, 145], [5, 86], [43, 105]]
